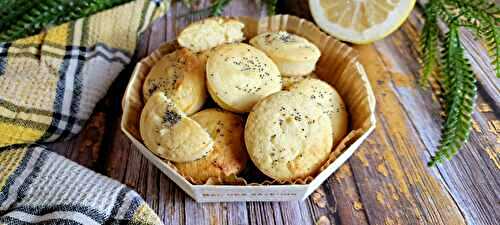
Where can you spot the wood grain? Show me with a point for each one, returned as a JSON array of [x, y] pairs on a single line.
[[385, 182]]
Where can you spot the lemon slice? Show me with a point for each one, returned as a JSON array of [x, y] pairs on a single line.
[[360, 21]]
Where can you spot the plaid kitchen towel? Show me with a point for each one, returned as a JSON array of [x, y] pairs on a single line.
[[41, 187], [49, 85]]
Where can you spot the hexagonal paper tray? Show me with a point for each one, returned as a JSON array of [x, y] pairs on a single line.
[[338, 66]]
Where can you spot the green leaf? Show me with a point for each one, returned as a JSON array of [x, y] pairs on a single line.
[[429, 43], [271, 6], [459, 84], [483, 17], [44, 13], [218, 7], [12, 9]]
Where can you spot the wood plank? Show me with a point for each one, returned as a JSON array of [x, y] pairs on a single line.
[[386, 182], [292, 212], [322, 204], [472, 178], [395, 185], [345, 191], [85, 147], [171, 198]]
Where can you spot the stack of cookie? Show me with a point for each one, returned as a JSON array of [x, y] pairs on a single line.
[[270, 106]]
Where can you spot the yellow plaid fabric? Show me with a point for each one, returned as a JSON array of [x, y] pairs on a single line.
[[50, 82], [49, 85]]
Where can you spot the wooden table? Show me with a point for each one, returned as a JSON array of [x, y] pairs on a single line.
[[385, 182]]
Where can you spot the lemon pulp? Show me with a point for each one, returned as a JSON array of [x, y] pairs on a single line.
[[360, 21]]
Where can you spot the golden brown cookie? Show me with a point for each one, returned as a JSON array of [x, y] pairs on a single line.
[[239, 75], [289, 81], [170, 134], [294, 55], [208, 33], [326, 97], [288, 136], [228, 156], [203, 56], [181, 75]]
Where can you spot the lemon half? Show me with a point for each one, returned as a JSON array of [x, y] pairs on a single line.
[[360, 21]]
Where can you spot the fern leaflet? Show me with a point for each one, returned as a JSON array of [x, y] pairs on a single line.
[[459, 86]]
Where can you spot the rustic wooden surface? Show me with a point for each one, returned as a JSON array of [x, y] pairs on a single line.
[[385, 182]]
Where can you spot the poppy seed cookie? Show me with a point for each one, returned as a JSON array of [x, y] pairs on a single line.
[[170, 134], [288, 136], [181, 75], [208, 33], [239, 75], [294, 55], [326, 97], [228, 157]]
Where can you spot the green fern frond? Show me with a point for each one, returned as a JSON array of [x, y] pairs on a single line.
[[271, 6], [13, 9], [429, 43], [51, 12], [459, 84], [218, 7], [483, 17]]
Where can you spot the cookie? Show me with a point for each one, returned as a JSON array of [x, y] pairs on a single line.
[[294, 55], [288, 81], [288, 136], [170, 134], [203, 56], [228, 156], [239, 75], [181, 75], [208, 33], [326, 97]]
